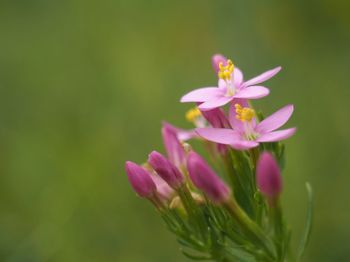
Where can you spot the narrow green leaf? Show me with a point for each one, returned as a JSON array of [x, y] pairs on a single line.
[[196, 257], [308, 225]]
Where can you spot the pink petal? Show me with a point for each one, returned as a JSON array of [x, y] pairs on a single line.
[[252, 92], [276, 135], [275, 120], [201, 95], [222, 85], [184, 135], [219, 135], [215, 102], [244, 144], [216, 60], [237, 77], [263, 77]]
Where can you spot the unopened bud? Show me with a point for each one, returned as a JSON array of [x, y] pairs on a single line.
[[205, 179], [173, 147], [166, 170], [268, 177], [140, 180]]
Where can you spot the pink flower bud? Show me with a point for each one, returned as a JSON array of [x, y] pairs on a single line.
[[164, 191], [166, 170], [216, 60], [140, 180], [204, 178], [173, 147], [268, 177]]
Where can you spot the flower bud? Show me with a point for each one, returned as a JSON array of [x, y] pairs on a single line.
[[173, 147], [166, 170], [216, 118], [204, 178], [216, 60], [140, 180], [164, 191], [268, 177]]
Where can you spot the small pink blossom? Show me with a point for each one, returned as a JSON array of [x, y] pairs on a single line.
[[246, 132], [230, 86]]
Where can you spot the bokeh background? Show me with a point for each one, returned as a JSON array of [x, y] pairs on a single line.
[[84, 86]]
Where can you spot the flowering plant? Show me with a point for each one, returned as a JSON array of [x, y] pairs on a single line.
[[239, 218]]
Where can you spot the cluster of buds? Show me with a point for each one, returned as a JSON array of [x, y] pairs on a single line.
[[237, 220]]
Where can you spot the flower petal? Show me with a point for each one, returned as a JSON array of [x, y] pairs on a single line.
[[252, 92], [216, 60], [276, 120], [244, 144], [276, 135], [262, 77], [184, 135], [201, 95], [222, 85], [215, 102], [237, 77], [219, 135]]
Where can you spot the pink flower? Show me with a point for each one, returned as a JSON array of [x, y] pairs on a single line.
[[140, 180], [268, 177], [205, 179], [246, 132], [230, 86]]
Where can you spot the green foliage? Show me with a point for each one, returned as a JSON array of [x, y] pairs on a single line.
[[251, 229]]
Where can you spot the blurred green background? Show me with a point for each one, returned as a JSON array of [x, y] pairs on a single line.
[[84, 86]]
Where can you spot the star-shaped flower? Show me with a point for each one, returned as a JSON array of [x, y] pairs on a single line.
[[230, 86], [246, 133]]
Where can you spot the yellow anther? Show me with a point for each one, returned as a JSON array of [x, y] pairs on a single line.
[[226, 71], [244, 113], [193, 114]]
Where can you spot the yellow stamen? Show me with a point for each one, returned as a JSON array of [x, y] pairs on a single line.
[[226, 71], [193, 114], [244, 113]]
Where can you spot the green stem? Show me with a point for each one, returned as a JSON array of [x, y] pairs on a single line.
[[279, 230], [231, 173], [249, 227], [254, 155], [194, 213]]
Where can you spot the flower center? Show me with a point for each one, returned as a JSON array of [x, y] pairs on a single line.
[[194, 116], [225, 73], [246, 115]]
